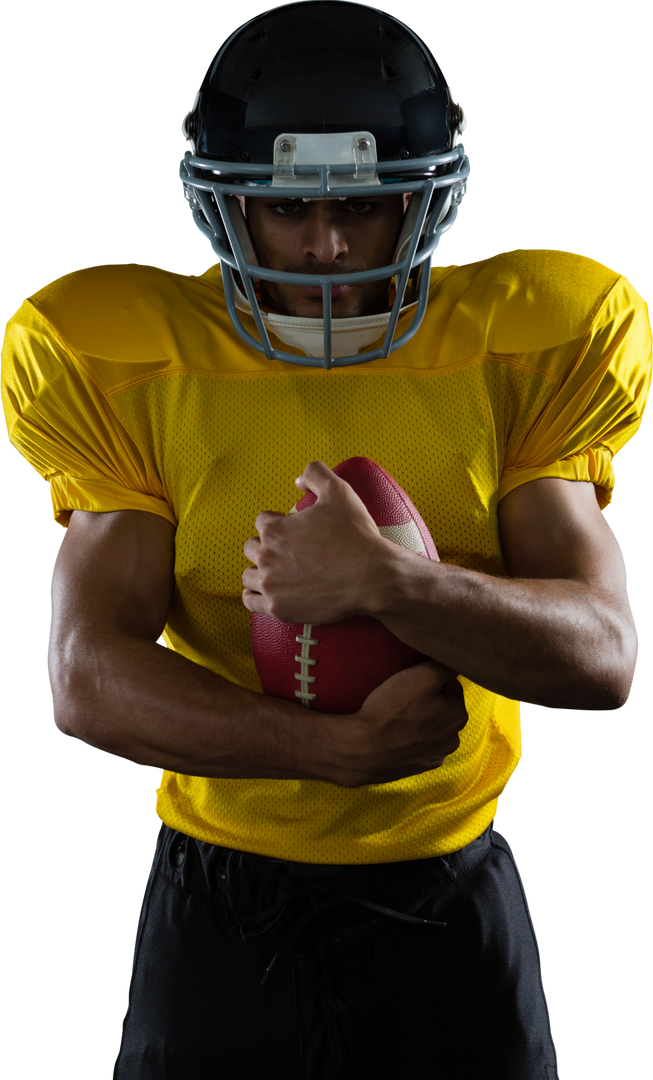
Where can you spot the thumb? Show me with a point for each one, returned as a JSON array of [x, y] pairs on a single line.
[[315, 478]]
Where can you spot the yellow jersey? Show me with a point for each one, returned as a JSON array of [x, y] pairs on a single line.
[[128, 388]]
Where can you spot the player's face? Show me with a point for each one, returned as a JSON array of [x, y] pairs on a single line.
[[325, 236]]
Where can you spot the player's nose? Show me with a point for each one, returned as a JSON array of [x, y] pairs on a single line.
[[324, 239]]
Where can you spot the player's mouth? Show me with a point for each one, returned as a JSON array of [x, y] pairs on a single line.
[[316, 290]]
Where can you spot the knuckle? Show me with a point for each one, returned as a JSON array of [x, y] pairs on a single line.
[[276, 610]]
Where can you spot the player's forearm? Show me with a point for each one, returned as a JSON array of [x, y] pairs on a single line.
[[553, 642], [131, 697]]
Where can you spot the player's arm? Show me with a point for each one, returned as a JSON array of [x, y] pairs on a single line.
[[559, 631], [117, 689]]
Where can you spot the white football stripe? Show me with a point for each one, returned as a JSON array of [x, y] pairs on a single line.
[[405, 535]]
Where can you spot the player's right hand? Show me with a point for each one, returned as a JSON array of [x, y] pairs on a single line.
[[408, 725]]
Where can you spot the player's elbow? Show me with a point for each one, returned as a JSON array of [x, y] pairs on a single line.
[[624, 652], [622, 689], [612, 667]]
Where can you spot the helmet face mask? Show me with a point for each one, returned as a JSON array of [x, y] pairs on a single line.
[[326, 236], [340, 160]]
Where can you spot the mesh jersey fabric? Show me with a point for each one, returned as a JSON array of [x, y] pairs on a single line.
[[127, 388]]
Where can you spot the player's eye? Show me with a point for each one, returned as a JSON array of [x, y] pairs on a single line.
[[288, 208], [285, 208]]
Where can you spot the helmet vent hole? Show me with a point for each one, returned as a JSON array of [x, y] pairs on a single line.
[[255, 74], [388, 71]]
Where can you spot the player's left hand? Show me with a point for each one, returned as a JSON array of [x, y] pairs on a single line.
[[321, 565]]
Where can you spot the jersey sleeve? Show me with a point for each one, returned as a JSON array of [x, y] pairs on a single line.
[[61, 420], [597, 402]]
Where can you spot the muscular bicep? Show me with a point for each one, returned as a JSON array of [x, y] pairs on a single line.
[[114, 574], [112, 589], [553, 528]]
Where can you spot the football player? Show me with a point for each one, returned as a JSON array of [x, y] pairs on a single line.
[[328, 896]]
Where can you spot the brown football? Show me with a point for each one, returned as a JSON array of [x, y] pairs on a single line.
[[334, 667]]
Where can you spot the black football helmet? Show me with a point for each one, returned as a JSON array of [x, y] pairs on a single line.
[[316, 100]]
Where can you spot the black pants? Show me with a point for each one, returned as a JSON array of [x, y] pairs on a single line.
[[362, 980]]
